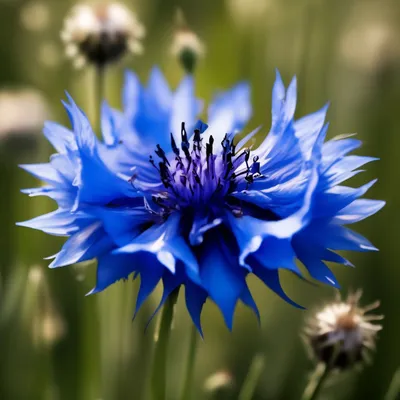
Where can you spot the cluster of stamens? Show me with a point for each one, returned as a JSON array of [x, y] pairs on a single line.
[[199, 176]]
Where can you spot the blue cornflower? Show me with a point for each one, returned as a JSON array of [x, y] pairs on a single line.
[[168, 198]]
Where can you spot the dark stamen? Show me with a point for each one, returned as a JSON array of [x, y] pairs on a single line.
[[174, 146], [161, 153]]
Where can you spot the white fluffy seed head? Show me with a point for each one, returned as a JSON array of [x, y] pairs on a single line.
[[341, 333], [101, 34]]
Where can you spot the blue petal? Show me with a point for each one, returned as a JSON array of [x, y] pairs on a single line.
[[158, 89], [131, 94], [278, 97], [200, 126], [229, 112], [57, 223], [164, 240], [323, 234], [112, 268], [222, 277], [317, 269], [271, 278], [308, 128], [277, 253], [250, 232], [330, 202], [335, 149], [150, 274], [341, 238], [92, 189], [248, 300], [83, 131], [44, 172], [358, 210], [88, 243], [67, 166], [201, 224], [290, 100], [171, 282], [195, 298], [60, 137], [343, 169], [330, 256], [185, 108], [64, 198], [123, 224], [109, 125]]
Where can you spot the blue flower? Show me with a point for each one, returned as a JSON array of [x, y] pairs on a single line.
[[168, 198]]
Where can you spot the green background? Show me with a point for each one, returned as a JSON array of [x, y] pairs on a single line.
[[87, 348]]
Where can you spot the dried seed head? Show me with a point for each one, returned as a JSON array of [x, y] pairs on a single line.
[[341, 333], [101, 34], [186, 45]]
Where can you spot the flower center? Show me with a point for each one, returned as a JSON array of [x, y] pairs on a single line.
[[198, 176]]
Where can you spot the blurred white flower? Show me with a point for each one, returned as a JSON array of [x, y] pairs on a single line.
[[22, 112], [369, 38], [245, 12], [101, 34], [220, 380], [341, 333], [35, 16]]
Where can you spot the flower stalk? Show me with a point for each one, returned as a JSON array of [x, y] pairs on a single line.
[[250, 383], [188, 380], [394, 388], [99, 93], [318, 378], [158, 380]]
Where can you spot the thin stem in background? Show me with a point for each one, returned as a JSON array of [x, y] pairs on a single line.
[[158, 380], [250, 383], [308, 22], [96, 94], [393, 392], [91, 340], [188, 380], [100, 91], [316, 382]]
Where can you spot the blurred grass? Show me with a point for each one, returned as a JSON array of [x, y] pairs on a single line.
[[346, 52]]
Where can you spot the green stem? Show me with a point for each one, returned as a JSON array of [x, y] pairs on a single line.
[[316, 382], [96, 95], [308, 25], [250, 383], [394, 388], [188, 381], [100, 86], [158, 380]]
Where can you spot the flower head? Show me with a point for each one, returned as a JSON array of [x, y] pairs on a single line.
[[168, 198], [186, 45], [341, 333], [101, 34]]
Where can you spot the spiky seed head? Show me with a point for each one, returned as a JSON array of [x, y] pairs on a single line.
[[341, 333]]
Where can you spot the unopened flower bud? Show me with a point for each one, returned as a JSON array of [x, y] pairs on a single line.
[[186, 45]]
